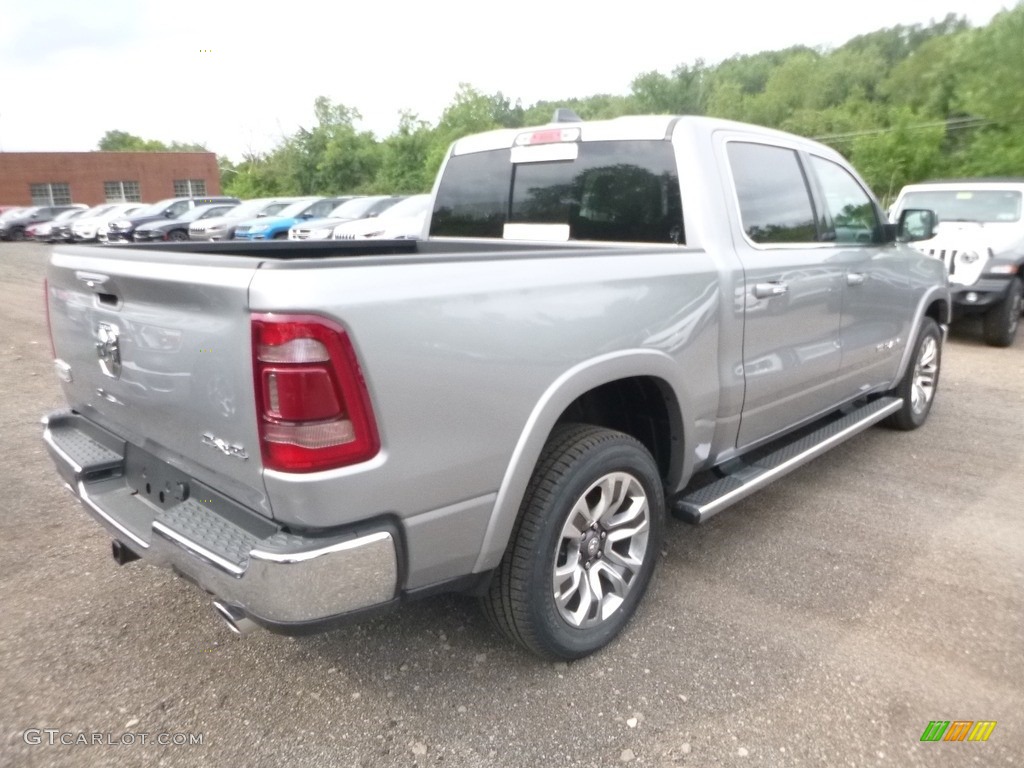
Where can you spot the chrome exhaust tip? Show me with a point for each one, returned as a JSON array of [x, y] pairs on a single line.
[[235, 618]]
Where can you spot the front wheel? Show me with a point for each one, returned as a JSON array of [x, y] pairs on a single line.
[[584, 546], [919, 383], [177, 235], [1002, 320]]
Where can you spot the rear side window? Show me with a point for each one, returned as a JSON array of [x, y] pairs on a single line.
[[775, 202], [625, 191]]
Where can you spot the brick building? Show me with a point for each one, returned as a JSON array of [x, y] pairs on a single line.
[[55, 178]]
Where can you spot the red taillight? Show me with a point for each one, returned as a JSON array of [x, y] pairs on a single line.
[[312, 405]]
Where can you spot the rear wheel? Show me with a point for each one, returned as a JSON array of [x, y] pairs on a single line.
[[584, 546], [1002, 320], [918, 385]]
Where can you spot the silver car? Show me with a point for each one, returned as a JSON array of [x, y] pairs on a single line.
[[352, 209], [223, 227], [91, 227]]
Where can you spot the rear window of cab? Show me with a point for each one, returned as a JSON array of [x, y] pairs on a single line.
[[616, 191]]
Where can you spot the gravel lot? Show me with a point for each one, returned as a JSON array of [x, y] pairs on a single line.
[[825, 621]]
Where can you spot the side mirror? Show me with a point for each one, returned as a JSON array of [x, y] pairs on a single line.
[[916, 224]]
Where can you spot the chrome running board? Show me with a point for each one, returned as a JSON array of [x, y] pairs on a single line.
[[698, 505]]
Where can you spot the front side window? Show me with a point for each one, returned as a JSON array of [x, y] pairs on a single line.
[[321, 209], [775, 202], [178, 209], [854, 219], [624, 191]]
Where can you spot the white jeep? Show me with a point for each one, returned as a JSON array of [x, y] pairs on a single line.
[[980, 238]]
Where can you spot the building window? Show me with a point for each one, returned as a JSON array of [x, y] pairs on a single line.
[[189, 188], [122, 191], [53, 193]]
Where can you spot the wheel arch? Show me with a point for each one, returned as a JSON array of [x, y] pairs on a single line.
[[935, 304], [597, 391]]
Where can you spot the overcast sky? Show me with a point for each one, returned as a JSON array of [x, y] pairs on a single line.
[[238, 76]]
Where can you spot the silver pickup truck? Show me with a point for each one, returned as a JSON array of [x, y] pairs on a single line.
[[606, 321]]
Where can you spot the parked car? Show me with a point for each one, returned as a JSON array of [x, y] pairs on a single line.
[[122, 229], [92, 225], [62, 232], [223, 227], [980, 238], [46, 231], [350, 210], [276, 227], [10, 212], [177, 229], [405, 220], [13, 227]]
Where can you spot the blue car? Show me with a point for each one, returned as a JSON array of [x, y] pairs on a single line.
[[276, 227]]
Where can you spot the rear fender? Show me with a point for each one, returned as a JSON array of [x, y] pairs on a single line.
[[562, 392]]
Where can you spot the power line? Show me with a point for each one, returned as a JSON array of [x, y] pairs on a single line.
[[952, 124]]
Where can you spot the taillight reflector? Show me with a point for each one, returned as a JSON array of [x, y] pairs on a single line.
[[313, 408]]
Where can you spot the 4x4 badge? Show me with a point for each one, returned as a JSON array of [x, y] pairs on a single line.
[[108, 350], [228, 449]]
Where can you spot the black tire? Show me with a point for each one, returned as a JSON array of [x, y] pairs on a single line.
[[580, 466], [281, 236], [178, 235], [17, 234], [921, 381], [1002, 321]]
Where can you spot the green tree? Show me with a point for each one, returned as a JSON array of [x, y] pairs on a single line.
[[121, 141], [682, 93], [905, 103], [907, 150], [602, 106], [470, 112], [992, 69], [403, 166]]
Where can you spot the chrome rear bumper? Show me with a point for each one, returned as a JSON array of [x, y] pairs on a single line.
[[277, 578]]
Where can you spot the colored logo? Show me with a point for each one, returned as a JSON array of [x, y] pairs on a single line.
[[958, 730]]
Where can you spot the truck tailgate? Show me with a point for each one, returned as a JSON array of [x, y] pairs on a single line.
[[158, 351]]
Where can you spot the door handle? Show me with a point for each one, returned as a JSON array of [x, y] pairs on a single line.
[[855, 278], [770, 290]]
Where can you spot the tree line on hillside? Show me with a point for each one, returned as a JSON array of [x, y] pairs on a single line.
[[904, 104]]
